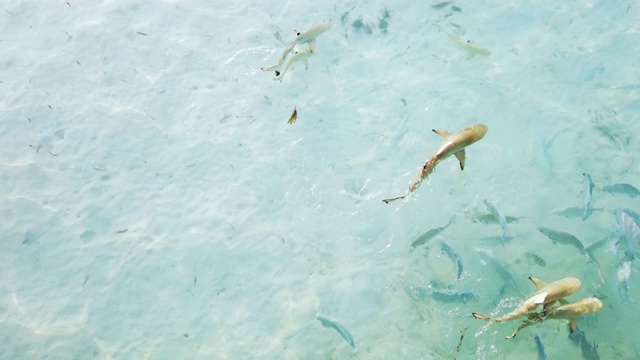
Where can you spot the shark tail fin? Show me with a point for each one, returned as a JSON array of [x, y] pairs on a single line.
[[481, 317]]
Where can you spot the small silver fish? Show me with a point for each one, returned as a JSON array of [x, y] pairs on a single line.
[[574, 212], [334, 324], [453, 255], [447, 295], [625, 189], [498, 215], [630, 230], [430, 234], [588, 195], [562, 238], [488, 218], [488, 258]]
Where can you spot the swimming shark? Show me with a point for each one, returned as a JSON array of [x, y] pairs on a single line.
[[302, 55], [469, 47], [566, 311], [546, 295], [302, 37], [452, 144]]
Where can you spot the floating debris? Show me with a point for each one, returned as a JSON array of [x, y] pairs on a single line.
[[294, 116]]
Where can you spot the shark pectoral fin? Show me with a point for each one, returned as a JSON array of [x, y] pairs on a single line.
[[461, 157], [442, 133], [547, 306], [537, 282], [312, 46], [306, 64], [573, 324]]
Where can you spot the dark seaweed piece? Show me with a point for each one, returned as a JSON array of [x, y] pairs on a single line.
[[360, 25]]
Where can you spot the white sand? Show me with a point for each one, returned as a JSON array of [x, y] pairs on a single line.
[[156, 204]]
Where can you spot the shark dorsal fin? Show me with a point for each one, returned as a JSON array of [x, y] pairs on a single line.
[[461, 156], [537, 282], [442, 133]]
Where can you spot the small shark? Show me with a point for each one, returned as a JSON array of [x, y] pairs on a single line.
[[452, 144], [566, 311], [302, 55], [547, 295], [302, 37], [466, 45]]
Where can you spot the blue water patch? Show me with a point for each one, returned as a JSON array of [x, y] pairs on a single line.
[[159, 201]]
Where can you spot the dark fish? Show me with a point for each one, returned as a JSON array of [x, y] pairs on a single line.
[[630, 229], [498, 215], [542, 354], [562, 238], [332, 323], [589, 351], [488, 258], [430, 234], [440, 5], [535, 258], [453, 255], [588, 196], [575, 212], [447, 295], [490, 219], [624, 189]]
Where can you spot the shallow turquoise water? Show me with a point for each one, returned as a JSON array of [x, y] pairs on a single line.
[[156, 204]]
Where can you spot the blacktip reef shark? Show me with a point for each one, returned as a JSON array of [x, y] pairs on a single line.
[[452, 144], [302, 37], [466, 45], [566, 311], [302, 55], [546, 295]]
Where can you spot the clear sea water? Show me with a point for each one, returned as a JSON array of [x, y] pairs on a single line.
[[156, 204]]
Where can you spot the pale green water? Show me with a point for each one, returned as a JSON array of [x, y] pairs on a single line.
[[155, 203]]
